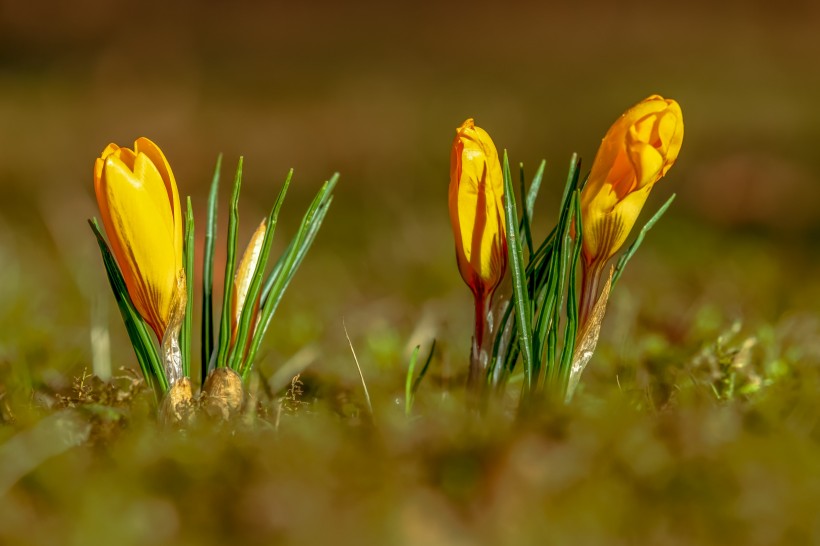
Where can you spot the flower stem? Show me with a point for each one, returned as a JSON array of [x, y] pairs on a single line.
[[477, 363]]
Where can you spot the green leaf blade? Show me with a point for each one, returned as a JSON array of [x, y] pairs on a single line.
[[141, 340], [624, 259], [248, 315], [408, 382], [516, 259], [188, 260], [208, 273], [230, 265], [535, 186], [288, 263], [572, 311]]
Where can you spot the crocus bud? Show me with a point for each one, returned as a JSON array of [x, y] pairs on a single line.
[[244, 276], [637, 151], [476, 201], [139, 205]]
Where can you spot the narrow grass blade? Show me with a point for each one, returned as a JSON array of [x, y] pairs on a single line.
[[141, 340], [534, 187], [305, 243], [424, 368], [572, 182], [541, 254], [311, 222], [188, 257], [249, 312], [510, 362], [410, 386], [551, 275], [562, 273], [571, 328], [525, 217], [358, 367], [289, 262], [545, 305], [208, 273], [559, 273], [230, 264], [637, 243], [516, 261], [537, 260], [408, 382]]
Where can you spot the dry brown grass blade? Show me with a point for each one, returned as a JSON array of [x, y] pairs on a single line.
[[358, 367]]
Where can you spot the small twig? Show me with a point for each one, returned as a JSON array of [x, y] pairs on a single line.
[[366, 393]]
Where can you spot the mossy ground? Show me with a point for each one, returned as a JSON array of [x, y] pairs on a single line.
[[697, 422]]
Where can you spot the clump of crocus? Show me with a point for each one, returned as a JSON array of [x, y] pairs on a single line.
[[477, 215], [637, 151], [149, 259], [547, 325]]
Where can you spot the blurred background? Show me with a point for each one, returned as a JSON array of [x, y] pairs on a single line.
[[375, 90]]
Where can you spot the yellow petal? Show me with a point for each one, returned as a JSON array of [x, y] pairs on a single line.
[[98, 167], [646, 162], [147, 147], [139, 205], [476, 208], [125, 155], [138, 222], [643, 129], [638, 149], [110, 149], [670, 131]]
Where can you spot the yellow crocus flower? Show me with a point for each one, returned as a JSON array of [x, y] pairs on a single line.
[[476, 200], [139, 205], [637, 151]]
